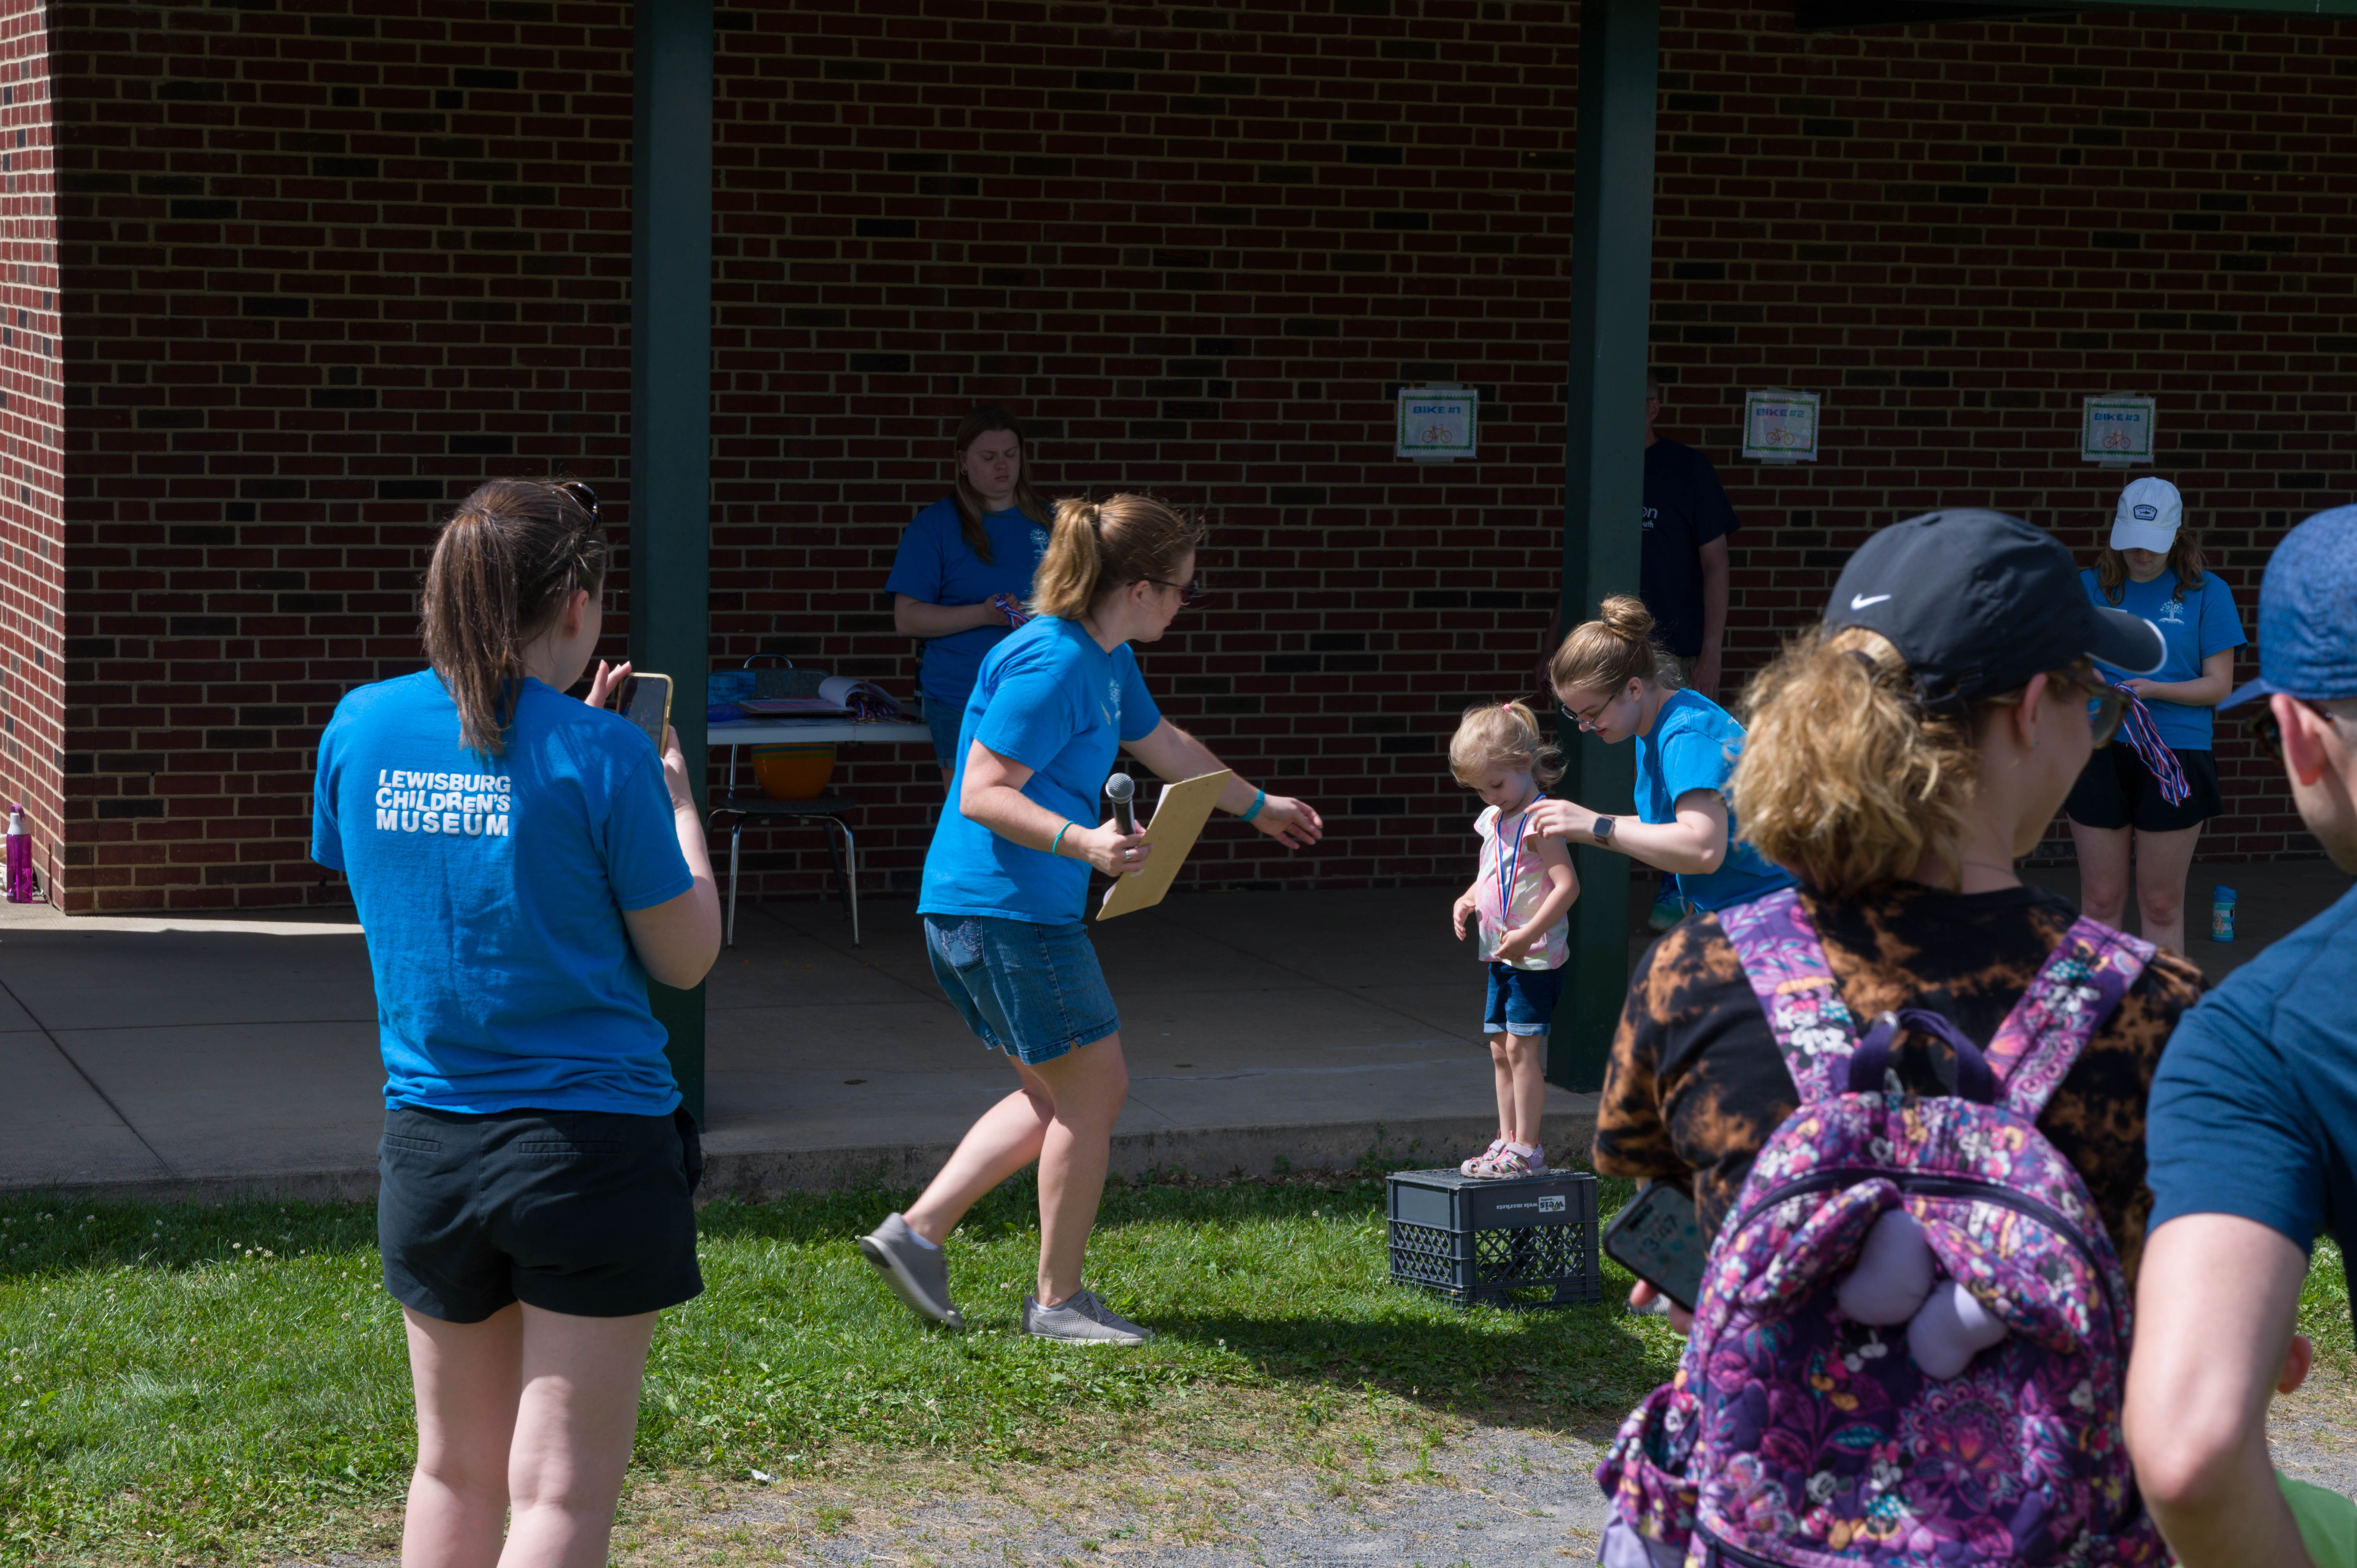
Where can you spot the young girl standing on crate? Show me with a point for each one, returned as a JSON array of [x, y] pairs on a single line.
[[1518, 900]]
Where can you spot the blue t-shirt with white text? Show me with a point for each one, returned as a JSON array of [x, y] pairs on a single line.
[[1052, 700], [934, 566], [2254, 1108], [1692, 745], [2200, 624], [491, 891]]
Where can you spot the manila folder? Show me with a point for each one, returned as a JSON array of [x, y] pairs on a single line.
[[1179, 819]]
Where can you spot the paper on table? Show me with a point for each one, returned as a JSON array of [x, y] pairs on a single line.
[[1179, 819]]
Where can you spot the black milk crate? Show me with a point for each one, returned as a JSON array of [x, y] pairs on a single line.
[[1521, 1241]]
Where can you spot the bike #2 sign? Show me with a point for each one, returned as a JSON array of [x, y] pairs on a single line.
[[2116, 430], [1779, 426], [1436, 424]]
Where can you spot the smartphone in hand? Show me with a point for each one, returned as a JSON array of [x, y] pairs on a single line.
[[645, 701], [1657, 1238]]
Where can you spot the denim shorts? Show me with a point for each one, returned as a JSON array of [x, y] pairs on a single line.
[[1032, 991], [1522, 1000], [943, 717], [583, 1212]]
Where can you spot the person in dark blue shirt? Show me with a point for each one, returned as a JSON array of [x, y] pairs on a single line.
[[2252, 1128], [1681, 563], [2152, 567], [965, 568]]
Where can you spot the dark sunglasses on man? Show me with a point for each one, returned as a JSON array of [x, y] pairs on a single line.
[[2263, 727]]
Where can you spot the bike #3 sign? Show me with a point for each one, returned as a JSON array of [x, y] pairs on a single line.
[[1438, 423], [1779, 426], [2116, 430]]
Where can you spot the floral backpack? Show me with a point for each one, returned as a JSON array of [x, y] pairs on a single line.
[[1794, 1436]]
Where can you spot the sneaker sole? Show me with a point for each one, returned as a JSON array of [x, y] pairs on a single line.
[[903, 1285], [1062, 1339]]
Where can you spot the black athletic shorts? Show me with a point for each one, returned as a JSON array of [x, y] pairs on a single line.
[[582, 1213], [2115, 789]]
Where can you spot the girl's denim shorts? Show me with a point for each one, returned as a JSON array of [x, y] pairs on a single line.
[[1032, 991]]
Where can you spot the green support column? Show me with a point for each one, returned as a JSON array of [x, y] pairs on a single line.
[[671, 405], [1604, 467]]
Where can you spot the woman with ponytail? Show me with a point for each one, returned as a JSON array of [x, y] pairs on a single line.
[[1005, 887], [964, 567], [1618, 684], [521, 863]]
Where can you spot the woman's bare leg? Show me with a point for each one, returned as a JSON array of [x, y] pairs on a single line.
[[2102, 873], [2162, 861], [573, 1424], [1090, 1086], [467, 1378], [1006, 1139]]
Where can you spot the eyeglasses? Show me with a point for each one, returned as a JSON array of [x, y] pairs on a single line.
[[2111, 703], [1187, 591], [586, 498], [1587, 721], [2263, 725]]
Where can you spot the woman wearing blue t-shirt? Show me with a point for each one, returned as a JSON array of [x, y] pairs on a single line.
[[1613, 678], [965, 568], [1005, 889], [521, 863], [2152, 567]]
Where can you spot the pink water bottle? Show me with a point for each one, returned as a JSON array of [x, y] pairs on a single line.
[[20, 858]]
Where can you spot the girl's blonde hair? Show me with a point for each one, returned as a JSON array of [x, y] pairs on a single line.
[[1610, 652], [506, 565], [1845, 778], [1109, 544], [2184, 560], [1501, 735]]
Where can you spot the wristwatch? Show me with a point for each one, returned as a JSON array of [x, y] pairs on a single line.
[[1601, 830]]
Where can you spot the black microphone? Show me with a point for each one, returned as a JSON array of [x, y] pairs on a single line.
[[1121, 789]]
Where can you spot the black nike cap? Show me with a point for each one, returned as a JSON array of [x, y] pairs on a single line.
[[1977, 602]]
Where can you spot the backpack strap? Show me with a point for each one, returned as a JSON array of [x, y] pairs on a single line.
[[2081, 984], [1785, 962]]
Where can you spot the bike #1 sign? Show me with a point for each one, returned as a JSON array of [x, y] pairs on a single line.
[[2116, 430], [1436, 424], [1779, 426]]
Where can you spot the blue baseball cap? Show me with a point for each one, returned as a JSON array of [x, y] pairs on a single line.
[[2308, 647]]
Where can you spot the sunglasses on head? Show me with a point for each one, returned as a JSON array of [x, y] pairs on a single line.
[[583, 496]]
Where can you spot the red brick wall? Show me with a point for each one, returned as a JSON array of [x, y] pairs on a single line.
[[1956, 233], [32, 535], [325, 265]]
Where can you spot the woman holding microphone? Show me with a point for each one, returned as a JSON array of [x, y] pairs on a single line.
[[1613, 679], [2151, 566], [964, 567], [1005, 887]]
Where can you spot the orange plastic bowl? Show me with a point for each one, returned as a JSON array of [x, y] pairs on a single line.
[[798, 771]]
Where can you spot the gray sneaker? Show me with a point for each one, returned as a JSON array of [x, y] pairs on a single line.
[[917, 1274], [1082, 1318]]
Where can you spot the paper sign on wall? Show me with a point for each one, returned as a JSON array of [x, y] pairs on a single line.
[[2116, 431], [1779, 426], [1436, 424]]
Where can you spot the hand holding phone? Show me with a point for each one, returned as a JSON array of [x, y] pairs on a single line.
[[646, 703], [1658, 1239]]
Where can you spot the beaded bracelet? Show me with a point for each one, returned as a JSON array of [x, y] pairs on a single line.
[[1260, 799], [1056, 845]]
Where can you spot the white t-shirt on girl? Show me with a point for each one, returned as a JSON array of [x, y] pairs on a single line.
[[1505, 863]]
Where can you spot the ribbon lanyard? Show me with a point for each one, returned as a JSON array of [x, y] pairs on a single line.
[[1508, 870]]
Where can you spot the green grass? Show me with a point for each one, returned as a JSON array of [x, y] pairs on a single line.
[[231, 1382]]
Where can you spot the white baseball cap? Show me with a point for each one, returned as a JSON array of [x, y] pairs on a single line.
[[2149, 512]]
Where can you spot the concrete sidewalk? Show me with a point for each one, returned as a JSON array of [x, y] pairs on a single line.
[[197, 1057]]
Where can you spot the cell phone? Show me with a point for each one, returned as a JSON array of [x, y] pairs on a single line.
[[646, 703], [1657, 1238]]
